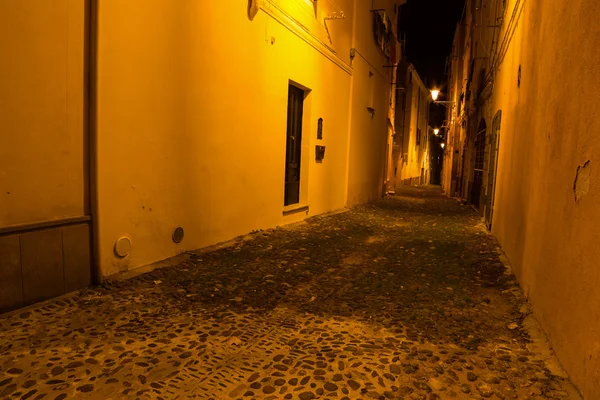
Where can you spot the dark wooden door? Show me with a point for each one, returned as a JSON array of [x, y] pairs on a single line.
[[478, 170], [293, 145]]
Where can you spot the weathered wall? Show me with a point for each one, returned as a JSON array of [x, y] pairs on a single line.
[[549, 128], [42, 145], [192, 125]]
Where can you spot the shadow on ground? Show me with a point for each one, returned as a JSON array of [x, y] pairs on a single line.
[[402, 299]]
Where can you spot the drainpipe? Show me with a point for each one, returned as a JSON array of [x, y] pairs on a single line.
[[91, 10]]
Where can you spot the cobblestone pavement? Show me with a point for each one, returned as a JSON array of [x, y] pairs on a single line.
[[402, 299]]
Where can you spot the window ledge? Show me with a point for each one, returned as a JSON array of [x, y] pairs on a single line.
[[295, 208]]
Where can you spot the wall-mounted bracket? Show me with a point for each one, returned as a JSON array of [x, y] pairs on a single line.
[[333, 16]]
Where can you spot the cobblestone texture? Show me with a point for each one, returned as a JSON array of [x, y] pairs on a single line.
[[402, 299]]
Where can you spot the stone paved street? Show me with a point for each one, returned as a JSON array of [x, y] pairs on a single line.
[[407, 298]]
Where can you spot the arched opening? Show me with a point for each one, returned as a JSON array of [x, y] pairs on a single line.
[[479, 161]]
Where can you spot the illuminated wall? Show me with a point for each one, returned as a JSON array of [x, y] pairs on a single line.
[[549, 128], [189, 126], [192, 109], [44, 201], [370, 106], [546, 208], [411, 159], [417, 143], [455, 113], [41, 111]]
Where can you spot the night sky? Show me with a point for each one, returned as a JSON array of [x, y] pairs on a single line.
[[429, 28]]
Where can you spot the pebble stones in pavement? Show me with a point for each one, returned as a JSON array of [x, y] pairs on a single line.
[[401, 299]]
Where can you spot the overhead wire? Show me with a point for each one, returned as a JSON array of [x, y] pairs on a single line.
[[490, 73], [510, 30], [502, 47], [300, 8]]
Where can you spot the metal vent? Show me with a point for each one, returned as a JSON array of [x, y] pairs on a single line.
[[178, 234]]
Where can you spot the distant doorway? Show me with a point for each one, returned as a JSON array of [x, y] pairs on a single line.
[[493, 167], [478, 169], [293, 145]]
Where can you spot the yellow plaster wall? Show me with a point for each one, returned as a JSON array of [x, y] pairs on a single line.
[[42, 140], [368, 136], [368, 133], [192, 108], [549, 127]]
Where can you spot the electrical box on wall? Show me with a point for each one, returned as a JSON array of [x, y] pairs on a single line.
[[320, 153]]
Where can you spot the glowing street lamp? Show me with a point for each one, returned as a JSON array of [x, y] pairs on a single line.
[[443, 145], [434, 95], [436, 131]]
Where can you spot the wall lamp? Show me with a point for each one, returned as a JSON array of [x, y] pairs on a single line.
[[434, 95]]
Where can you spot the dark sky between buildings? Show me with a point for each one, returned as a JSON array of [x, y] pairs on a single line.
[[429, 27]]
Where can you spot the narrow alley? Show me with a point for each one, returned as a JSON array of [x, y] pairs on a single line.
[[405, 298]]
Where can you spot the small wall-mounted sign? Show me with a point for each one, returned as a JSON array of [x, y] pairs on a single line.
[[320, 153], [320, 129]]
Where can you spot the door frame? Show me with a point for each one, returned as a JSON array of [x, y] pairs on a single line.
[[478, 165], [305, 151], [493, 168]]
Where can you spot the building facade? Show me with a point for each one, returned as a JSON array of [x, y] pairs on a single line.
[[136, 131], [411, 158], [522, 148]]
